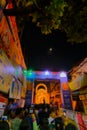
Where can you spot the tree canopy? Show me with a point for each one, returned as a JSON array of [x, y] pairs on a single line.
[[66, 15]]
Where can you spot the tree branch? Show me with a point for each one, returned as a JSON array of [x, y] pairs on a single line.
[[19, 11]]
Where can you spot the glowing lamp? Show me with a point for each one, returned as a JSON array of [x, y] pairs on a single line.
[[47, 72], [63, 74], [25, 72], [30, 72]]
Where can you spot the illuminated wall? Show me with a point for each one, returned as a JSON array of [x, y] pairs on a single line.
[[6, 69], [9, 39], [11, 77]]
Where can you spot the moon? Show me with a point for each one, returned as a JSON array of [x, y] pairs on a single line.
[[50, 49]]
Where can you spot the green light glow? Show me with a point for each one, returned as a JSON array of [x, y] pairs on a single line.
[[30, 72], [25, 72]]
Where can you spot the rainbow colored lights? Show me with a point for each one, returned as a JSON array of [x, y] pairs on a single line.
[[30, 74]]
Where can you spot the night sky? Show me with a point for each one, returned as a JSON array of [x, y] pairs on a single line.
[[50, 52]]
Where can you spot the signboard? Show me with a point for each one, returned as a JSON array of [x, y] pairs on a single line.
[[66, 94], [67, 99], [28, 99], [15, 89]]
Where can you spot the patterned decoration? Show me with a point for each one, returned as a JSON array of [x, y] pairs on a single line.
[[9, 39], [47, 92]]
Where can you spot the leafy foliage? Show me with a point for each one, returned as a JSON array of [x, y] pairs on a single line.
[[67, 15], [47, 14], [74, 21]]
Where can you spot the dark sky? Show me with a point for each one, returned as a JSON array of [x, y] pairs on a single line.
[[51, 52]]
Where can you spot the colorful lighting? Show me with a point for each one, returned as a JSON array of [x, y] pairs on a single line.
[[25, 72], [29, 73], [47, 72], [63, 74]]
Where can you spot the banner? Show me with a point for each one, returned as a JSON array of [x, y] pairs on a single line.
[[66, 95], [15, 89], [28, 99]]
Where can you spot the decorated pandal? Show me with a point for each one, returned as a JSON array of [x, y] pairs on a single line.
[[49, 88]]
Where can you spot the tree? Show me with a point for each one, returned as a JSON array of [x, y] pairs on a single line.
[[66, 15], [74, 21], [45, 13], [42, 12]]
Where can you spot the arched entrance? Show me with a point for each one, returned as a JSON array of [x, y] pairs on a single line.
[[41, 94]]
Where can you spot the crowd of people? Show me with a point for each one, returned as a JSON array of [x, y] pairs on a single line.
[[31, 118]]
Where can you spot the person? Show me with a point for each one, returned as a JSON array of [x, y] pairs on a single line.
[[59, 121], [28, 118], [45, 124], [43, 114], [15, 123], [4, 125], [35, 125], [51, 120], [24, 125], [70, 126], [59, 124], [12, 114]]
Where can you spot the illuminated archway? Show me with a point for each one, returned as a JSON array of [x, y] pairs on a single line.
[[39, 85], [41, 94]]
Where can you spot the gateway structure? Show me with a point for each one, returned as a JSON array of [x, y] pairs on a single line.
[[49, 88]]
